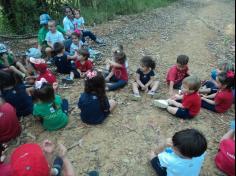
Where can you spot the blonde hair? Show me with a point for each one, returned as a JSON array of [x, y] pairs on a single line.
[[193, 82]]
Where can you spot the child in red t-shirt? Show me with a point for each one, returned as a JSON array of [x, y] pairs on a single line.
[[118, 77], [222, 100], [177, 73], [225, 158], [83, 64]]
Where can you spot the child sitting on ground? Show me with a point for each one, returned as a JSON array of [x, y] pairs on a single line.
[[182, 155], [76, 42], [83, 64], [118, 76], [14, 92], [210, 86], [93, 103], [222, 100], [64, 63], [177, 73], [225, 158], [7, 61], [188, 105], [50, 108]]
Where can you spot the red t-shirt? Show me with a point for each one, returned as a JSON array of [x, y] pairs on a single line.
[[87, 65], [225, 159], [176, 75], [224, 100], [9, 125], [120, 72], [192, 102], [50, 78], [6, 170]]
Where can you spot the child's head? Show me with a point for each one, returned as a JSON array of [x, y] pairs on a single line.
[[83, 54], [225, 80], [191, 84], [58, 48], [182, 61], [120, 57], [52, 25], [9, 79], [147, 64], [189, 143], [44, 94], [77, 13], [226, 66], [117, 48], [69, 12], [3, 49], [76, 36]]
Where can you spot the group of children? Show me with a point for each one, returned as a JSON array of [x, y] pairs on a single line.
[[32, 89]]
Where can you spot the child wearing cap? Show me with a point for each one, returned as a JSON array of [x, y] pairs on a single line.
[[182, 155], [7, 61]]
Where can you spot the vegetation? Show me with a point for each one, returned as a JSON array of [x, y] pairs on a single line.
[[20, 16]]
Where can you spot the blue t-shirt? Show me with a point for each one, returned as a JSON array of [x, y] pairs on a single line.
[[78, 22], [145, 78], [68, 25], [19, 99], [177, 166], [54, 37], [63, 64], [91, 112]]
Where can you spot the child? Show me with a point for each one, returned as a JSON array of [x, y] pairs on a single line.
[[182, 155], [76, 42], [118, 77], [64, 63], [93, 103], [79, 25], [83, 64], [145, 78], [7, 60], [119, 48], [225, 158], [188, 105], [52, 37], [177, 73], [50, 108], [9, 125], [32, 159], [14, 92], [223, 99]]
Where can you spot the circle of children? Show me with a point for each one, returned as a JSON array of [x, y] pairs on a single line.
[[32, 89]]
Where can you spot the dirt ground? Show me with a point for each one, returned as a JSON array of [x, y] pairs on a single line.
[[201, 29]]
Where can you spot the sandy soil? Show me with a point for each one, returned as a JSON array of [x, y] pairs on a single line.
[[202, 29]]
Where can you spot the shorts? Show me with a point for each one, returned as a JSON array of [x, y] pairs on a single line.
[[212, 86], [208, 106], [161, 171], [183, 114]]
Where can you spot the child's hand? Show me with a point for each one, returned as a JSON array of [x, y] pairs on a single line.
[[62, 150], [48, 146]]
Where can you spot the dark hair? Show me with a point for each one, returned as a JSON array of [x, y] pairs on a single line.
[[76, 34], [97, 85], [193, 82], [147, 61], [58, 47], [71, 9], [120, 57], [84, 52], [182, 59], [8, 79], [226, 80], [190, 142]]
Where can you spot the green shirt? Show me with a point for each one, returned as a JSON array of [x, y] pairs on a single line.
[[10, 59], [43, 32], [53, 119]]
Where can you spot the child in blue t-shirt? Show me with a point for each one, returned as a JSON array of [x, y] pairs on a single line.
[[182, 155], [14, 92], [145, 78], [93, 103]]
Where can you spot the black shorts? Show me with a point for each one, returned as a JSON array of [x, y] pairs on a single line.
[[183, 114], [161, 171]]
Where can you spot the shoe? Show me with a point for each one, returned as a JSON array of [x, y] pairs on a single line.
[[100, 42], [67, 80], [151, 93], [135, 97], [160, 103]]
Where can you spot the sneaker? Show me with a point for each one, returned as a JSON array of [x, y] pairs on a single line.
[[67, 80], [135, 97], [160, 103]]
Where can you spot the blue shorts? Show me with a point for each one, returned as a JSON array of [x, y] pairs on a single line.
[[183, 114], [208, 106]]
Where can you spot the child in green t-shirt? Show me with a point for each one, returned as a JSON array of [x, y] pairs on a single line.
[[50, 108], [7, 61]]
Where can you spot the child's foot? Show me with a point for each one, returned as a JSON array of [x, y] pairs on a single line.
[[135, 97], [67, 80], [160, 103]]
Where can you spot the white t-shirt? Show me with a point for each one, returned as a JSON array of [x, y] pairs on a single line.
[[74, 47], [177, 166], [68, 25], [54, 37], [78, 23]]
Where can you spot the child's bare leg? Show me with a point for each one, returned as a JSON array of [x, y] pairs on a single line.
[[15, 70], [172, 110], [135, 88], [21, 67], [154, 86], [113, 104], [68, 169]]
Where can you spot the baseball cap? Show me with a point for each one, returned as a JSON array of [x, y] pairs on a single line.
[[29, 160], [42, 67], [33, 52], [3, 48], [36, 61], [44, 18]]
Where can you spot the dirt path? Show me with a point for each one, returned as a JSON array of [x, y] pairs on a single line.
[[202, 29]]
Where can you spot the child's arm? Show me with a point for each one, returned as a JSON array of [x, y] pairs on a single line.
[[109, 76], [137, 79], [228, 135], [171, 87], [114, 64], [72, 57], [212, 102], [161, 147], [210, 96], [50, 44], [150, 82]]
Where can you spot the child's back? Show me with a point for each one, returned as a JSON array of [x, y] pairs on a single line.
[[63, 65]]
